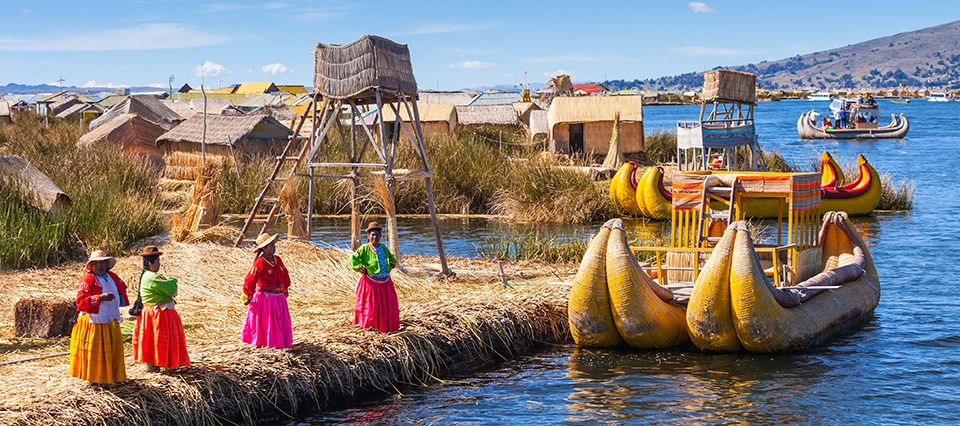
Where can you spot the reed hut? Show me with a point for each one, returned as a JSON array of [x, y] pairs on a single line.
[[240, 139], [436, 120], [584, 124], [146, 107], [496, 117], [131, 134]]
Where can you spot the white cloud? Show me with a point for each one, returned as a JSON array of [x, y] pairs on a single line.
[[552, 74], [443, 28], [210, 69], [711, 51], [561, 58], [472, 65], [275, 69], [141, 37], [93, 83], [700, 7]]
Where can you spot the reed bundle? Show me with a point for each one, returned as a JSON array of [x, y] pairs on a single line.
[[203, 210], [446, 326], [290, 198]]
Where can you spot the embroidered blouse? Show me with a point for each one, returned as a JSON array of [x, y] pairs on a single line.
[[266, 276]]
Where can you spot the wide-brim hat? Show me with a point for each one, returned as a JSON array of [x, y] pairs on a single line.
[[373, 226], [101, 256], [264, 240], [150, 251]]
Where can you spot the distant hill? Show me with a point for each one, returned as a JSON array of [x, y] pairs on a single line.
[[23, 89], [925, 58]]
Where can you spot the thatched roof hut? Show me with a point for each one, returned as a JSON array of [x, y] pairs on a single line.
[[238, 138], [355, 69], [435, 119], [504, 115], [32, 186], [131, 134], [584, 124], [146, 106]]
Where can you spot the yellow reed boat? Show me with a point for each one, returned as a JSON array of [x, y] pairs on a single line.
[[793, 289]]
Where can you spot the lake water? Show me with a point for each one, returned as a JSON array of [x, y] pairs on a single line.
[[903, 366]]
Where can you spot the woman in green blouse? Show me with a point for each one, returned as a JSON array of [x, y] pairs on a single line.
[[377, 306]]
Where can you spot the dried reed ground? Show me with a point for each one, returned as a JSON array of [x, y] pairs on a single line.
[[446, 326]]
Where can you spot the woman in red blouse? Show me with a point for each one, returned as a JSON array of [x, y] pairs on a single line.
[[96, 346], [265, 291]]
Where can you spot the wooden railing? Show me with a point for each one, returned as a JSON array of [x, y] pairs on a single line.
[[783, 273]]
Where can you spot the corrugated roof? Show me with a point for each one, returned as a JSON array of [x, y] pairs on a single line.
[[110, 101], [227, 130], [499, 98], [584, 109], [487, 114], [293, 89], [259, 100]]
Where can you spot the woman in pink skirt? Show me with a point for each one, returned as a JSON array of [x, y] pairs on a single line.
[[265, 291], [377, 305]]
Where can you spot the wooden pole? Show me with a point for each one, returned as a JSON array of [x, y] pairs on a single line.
[[392, 231], [428, 186], [355, 181]]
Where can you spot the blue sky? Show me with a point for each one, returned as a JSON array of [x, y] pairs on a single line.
[[454, 44]]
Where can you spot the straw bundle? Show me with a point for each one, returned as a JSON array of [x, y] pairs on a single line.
[[203, 210], [614, 157], [290, 198]]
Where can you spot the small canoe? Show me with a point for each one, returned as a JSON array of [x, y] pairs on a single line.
[[734, 305], [808, 129]]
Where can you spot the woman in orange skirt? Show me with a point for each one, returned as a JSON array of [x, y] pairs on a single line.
[[376, 306], [158, 338], [96, 347]]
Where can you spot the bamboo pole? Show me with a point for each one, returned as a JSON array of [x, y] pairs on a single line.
[[392, 231]]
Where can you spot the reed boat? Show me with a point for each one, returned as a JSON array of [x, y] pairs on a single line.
[[613, 301], [857, 197], [734, 305], [623, 188], [809, 129], [788, 291]]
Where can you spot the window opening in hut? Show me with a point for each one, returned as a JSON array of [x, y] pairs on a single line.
[[576, 138]]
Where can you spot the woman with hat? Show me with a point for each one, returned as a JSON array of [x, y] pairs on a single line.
[[265, 291], [96, 347], [376, 305], [158, 339]]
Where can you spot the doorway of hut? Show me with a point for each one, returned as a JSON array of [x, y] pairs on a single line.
[[576, 138]]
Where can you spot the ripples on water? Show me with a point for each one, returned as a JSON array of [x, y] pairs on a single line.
[[901, 367]]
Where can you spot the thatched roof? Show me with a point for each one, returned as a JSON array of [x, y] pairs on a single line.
[[183, 109], [487, 114], [586, 109], [31, 185], [727, 85], [76, 108], [281, 112], [146, 106], [228, 130], [130, 134], [428, 113], [355, 69], [63, 104]]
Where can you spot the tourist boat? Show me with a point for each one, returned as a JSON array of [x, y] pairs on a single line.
[[798, 287], [820, 96], [653, 198], [809, 128], [938, 97]]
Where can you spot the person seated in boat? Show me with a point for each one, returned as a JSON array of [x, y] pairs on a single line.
[[96, 346], [265, 291], [158, 338], [376, 304], [827, 124]]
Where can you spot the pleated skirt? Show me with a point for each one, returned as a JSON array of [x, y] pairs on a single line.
[[268, 321], [158, 338], [96, 351], [377, 306]]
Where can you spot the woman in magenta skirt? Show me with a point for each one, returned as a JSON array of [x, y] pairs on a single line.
[[377, 305], [265, 291]]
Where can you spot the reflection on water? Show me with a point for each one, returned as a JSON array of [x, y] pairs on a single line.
[[903, 366]]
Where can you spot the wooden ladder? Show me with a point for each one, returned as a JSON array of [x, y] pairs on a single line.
[[270, 194], [707, 213]]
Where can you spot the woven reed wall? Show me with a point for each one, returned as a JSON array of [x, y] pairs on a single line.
[[355, 69], [596, 138], [730, 86]]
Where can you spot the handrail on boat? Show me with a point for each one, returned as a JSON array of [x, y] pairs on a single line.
[[774, 251]]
